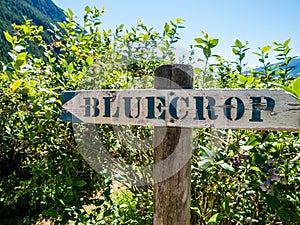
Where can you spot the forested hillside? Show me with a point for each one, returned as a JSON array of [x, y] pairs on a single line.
[[41, 12]]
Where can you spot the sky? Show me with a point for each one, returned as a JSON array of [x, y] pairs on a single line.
[[260, 22]]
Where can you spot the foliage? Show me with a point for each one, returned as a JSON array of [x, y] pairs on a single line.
[[43, 175], [41, 13], [238, 177], [247, 177]]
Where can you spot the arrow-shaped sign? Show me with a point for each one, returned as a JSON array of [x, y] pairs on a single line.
[[219, 108]]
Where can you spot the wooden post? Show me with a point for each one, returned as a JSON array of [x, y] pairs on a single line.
[[172, 195]]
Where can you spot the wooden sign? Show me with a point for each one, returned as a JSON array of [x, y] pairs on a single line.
[[218, 108], [181, 110]]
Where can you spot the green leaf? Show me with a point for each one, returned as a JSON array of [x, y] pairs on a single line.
[[273, 201], [296, 87], [8, 37], [284, 214], [62, 25], [260, 158], [255, 168], [225, 204], [238, 43], [167, 27], [205, 34], [266, 48], [199, 46], [199, 40], [256, 53], [40, 29], [70, 68], [20, 60], [87, 9], [210, 153], [80, 183], [22, 56], [242, 78], [242, 56], [69, 181], [286, 88], [207, 52], [179, 20], [16, 85], [74, 48], [50, 212], [227, 167], [286, 51], [145, 37], [70, 12], [216, 218], [214, 42], [286, 43], [90, 60], [235, 51], [252, 141], [197, 210], [250, 80]]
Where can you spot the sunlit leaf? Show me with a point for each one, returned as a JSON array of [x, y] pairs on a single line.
[[74, 48], [145, 37], [90, 60], [266, 48], [8, 37], [287, 88], [238, 43], [22, 56], [216, 218], [296, 87], [242, 78], [70, 12], [286, 43], [167, 27], [199, 40], [70, 68], [227, 167], [254, 168], [16, 85], [179, 20], [205, 34], [214, 42], [87, 9]]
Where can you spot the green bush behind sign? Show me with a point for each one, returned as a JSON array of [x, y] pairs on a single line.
[[239, 177]]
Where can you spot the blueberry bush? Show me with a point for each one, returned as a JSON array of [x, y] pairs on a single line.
[[238, 176]]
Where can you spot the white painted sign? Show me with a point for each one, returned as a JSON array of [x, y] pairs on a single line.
[[219, 108]]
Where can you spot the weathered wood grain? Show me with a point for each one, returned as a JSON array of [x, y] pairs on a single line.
[[218, 108], [172, 191]]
